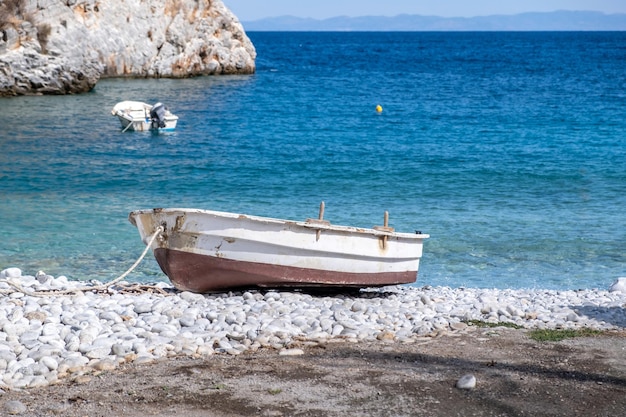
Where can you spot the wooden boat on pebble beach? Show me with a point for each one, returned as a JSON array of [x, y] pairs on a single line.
[[203, 251]]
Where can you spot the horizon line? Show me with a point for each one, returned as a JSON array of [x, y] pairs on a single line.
[[435, 16]]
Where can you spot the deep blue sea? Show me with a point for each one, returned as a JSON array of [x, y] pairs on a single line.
[[509, 149]]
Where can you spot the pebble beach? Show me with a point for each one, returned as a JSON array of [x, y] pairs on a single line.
[[53, 328]]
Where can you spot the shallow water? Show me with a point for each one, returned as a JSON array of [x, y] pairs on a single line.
[[507, 148]]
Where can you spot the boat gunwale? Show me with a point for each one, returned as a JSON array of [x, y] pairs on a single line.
[[270, 220]]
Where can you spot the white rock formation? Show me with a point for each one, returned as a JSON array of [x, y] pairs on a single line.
[[65, 46]]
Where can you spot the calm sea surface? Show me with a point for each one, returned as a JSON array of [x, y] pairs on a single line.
[[509, 149]]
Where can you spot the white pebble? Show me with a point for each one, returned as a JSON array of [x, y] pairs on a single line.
[[143, 308], [11, 273], [618, 285], [466, 382], [51, 363], [291, 352], [14, 407]]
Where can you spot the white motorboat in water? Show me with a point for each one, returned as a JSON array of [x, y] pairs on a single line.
[[139, 117]]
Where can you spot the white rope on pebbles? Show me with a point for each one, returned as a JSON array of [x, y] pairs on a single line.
[[18, 288]]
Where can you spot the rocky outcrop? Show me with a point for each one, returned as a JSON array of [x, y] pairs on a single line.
[[66, 46]]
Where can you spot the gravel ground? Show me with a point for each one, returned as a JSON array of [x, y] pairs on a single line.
[[516, 376]]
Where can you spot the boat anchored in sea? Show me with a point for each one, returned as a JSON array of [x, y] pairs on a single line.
[[204, 250], [139, 117]]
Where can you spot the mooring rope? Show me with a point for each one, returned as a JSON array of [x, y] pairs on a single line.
[[100, 287]]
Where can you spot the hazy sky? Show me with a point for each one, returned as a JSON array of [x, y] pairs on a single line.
[[320, 9]]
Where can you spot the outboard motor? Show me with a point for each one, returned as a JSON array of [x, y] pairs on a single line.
[[157, 115]]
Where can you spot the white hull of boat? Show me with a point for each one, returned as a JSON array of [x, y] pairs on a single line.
[[135, 116], [202, 250]]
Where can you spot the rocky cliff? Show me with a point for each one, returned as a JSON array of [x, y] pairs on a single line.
[[66, 46]]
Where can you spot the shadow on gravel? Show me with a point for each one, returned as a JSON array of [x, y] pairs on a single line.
[[346, 292], [611, 315], [458, 365]]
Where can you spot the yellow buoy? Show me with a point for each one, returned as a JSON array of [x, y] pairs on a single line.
[[379, 108]]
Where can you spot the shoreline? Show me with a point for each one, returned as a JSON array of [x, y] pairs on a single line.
[[46, 339]]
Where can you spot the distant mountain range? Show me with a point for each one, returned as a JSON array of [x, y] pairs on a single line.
[[551, 21]]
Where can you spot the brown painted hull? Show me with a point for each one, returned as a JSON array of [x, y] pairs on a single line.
[[201, 273]]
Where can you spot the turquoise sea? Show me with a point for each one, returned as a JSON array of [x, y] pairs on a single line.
[[508, 148]]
